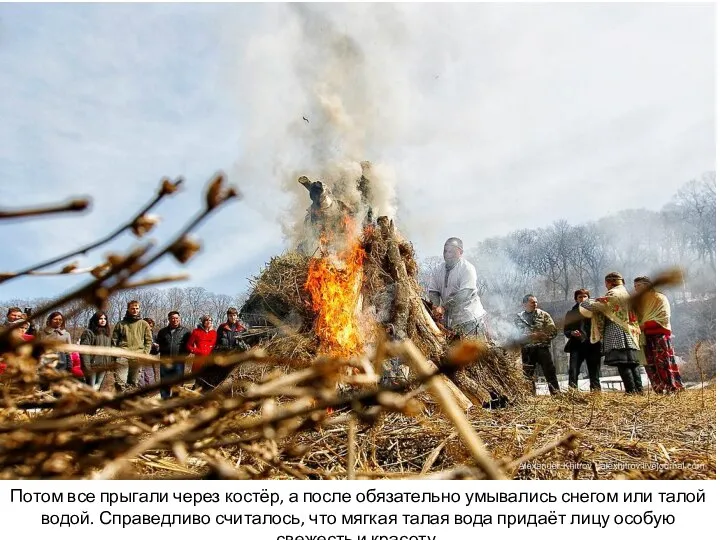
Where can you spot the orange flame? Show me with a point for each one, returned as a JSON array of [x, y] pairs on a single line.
[[334, 284]]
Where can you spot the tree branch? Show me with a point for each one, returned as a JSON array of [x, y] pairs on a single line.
[[166, 188], [74, 205]]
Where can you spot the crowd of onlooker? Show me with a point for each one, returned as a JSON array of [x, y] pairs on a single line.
[[135, 334], [611, 329], [624, 332]]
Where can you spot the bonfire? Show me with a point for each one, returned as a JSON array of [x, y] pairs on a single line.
[[356, 286]]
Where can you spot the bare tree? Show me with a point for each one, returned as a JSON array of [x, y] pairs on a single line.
[[427, 265], [175, 299], [77, 314], [197, 303], [117, 305], [219, 303], [696, 202], [551, 253], [593, 250], [500, 281], [152, 302]]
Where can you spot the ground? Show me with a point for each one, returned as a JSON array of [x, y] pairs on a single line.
[[576, 435]]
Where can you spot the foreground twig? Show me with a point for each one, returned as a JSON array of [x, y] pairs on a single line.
[[114, 468], [74, 205], [122, 269], [565, 441], [455, 414], [352, 449], [166, 188]]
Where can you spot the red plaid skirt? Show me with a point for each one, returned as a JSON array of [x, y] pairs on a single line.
[[661, 367]]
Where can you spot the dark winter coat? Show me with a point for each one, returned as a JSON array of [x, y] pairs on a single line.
[[229, 338], [577, 322], [173, 342]]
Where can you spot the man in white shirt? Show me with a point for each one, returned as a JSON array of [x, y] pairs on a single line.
[[453, 292]]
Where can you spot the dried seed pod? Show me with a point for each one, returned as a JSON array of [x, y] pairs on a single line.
[[69, 268], [674, 276], [144, 224], [467, 352], [217, 193], [100, 270], [185, 248], [168, 187], [77, 205], [115, 260]]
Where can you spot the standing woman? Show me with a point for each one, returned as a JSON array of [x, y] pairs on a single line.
[[614, 324], [97, 334], [55, 331], [654, 315], [202, 342]]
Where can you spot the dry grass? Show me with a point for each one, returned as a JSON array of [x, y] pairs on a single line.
[[296, 425], [612, 435]]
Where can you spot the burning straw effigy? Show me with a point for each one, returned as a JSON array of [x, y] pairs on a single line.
[[357, 284], [389, 300], [315, 409]]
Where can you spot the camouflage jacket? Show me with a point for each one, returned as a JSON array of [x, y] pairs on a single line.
[[539, 321]]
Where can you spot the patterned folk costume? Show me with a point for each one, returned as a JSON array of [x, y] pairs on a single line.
[[654, 315], [615, 325]]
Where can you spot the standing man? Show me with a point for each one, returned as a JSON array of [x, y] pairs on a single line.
[[577, 331], [615, 325], [133, 334], [230, 334], [453, 292], [14, 314], [172, 341], [538, 328]]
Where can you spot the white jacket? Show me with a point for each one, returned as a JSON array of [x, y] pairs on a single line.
[[450, 283]]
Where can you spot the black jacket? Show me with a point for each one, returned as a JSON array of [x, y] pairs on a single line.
[[173, 343], [229, 338], [580, 323]]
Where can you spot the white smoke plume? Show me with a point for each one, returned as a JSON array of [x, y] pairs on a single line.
[[470, 109], [321, 103]]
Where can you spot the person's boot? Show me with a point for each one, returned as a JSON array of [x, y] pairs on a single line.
[[627, 379], [637, 379]]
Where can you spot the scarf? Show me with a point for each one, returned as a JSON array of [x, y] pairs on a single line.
[[238, 327], [614, 306], [131, 318], [53, 333], [655, 306]]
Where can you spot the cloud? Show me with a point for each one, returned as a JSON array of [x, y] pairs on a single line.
[[489, 117], [98, 100], [496, 118]]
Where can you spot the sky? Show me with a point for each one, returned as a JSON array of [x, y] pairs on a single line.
[[482, 119]]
